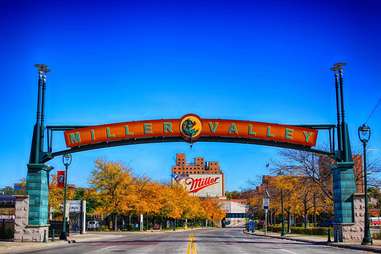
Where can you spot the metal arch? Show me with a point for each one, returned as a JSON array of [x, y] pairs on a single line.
[[50, 155]]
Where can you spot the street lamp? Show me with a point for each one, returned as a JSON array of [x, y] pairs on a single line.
[[282, 233], [364, 136], [66, 159], [266, 204]]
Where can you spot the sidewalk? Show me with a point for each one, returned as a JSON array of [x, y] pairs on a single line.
[[146, 231], [19, 247], [6, 247], [322, 240]]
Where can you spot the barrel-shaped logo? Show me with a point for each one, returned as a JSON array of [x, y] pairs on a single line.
[[190, 126]]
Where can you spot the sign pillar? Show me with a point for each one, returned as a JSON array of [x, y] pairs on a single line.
[[37, 189], [37, 177], [141, 223], [344, 186], [83, 217]]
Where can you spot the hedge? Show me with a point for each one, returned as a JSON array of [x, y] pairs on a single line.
[[376, 236], [301, 230]]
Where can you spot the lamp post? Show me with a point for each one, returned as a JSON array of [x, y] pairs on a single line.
[[282, 233], [364, 136], [66, 159], [266, 204]]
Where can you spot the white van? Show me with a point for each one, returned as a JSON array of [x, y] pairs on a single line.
[[92, 225]]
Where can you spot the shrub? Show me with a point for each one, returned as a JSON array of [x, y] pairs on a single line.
[[104, 228], [376, 236], [301, 230]]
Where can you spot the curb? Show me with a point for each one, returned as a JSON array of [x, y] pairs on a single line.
[[31, 246], [22, 247], [332, 244], [143, 232]]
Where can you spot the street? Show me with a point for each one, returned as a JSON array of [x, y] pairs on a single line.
[[211, 241]]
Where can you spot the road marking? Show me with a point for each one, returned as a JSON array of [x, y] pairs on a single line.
[[192, 246], [288, 251]]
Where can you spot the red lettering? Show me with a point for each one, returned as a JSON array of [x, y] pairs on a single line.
[[197, 184]]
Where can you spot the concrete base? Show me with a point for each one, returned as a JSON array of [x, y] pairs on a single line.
[[352, 231], [23, 231], [35, 234], [21, 217]]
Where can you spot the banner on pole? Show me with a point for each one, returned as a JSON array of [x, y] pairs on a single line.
[[61, 179], [266, 203]]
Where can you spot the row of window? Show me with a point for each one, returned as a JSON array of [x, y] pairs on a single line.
[[194, 172], [236, 215], [198, 168], [188, 172]]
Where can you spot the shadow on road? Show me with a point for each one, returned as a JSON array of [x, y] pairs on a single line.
[[215, 240]]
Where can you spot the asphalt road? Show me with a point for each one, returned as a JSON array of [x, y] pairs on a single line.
[[213, 241]]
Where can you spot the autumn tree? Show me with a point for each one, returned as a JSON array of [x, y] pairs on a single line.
[[113, 185], [56, 196], [302, 197], [302, 163], [212, 210], [116, 191]]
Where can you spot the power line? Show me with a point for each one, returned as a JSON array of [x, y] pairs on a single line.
[[374, 110]]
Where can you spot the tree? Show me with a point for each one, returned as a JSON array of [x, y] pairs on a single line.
[[20, 190], [56, 196], [212, 210], [315, 190], [116, 191], [316, 168], [232, 194], [301, 197], [373, 170], [113, 185]]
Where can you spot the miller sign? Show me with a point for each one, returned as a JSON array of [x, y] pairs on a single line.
[[203, 185]]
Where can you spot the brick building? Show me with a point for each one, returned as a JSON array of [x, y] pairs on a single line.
[[199, 166], [206, 176]]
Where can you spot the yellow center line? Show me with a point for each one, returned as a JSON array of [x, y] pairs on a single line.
[[192, 247]]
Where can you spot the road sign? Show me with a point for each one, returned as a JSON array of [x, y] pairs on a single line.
[[266, 203], [74, 206]]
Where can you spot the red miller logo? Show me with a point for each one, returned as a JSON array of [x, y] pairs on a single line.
[[197, 184]]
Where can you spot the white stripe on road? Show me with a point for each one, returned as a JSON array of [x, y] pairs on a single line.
[[288, 251], [101, 250]]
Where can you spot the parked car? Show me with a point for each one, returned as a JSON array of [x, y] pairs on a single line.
[[92, 225]]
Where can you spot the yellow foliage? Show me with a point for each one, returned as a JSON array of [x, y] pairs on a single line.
[[113, 184], [56, 195], [301, 195], [212, 210], [118, 192]]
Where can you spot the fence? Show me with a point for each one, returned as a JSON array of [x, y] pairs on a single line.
[[7, 229]]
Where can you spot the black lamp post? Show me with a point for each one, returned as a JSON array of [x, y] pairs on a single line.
[[364, 136], [266, 204], [282, 231], [66, 159]]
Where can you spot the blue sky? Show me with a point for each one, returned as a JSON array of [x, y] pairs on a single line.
[[115, 61]]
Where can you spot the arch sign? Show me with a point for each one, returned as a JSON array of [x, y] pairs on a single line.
[[191, 128]]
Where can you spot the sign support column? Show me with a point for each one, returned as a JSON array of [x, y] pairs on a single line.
[[37, 177], [343, 177]]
